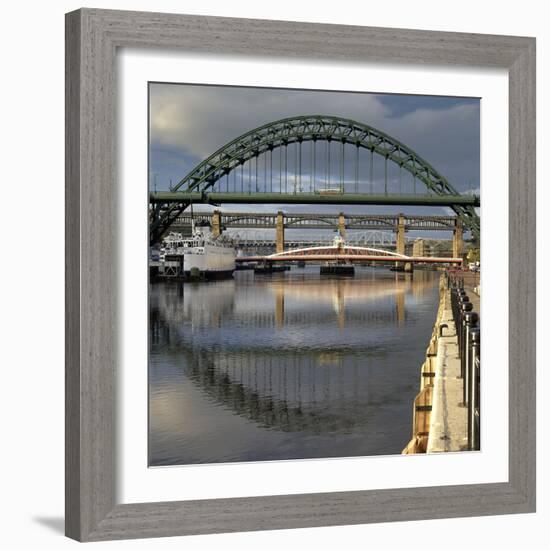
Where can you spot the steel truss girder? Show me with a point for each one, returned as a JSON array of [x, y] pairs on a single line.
[[324, 221]]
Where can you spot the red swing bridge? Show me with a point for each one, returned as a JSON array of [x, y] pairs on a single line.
[[340, 253]]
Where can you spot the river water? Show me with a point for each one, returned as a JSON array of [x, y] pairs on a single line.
[[286, 366]]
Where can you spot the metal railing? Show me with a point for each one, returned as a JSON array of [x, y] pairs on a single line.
[[468, 334]]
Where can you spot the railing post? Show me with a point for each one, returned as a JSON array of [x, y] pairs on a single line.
[[470, 321], [474, 393], [464, 307], [455, 297]]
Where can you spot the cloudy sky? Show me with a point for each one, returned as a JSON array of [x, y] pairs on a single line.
[[189, 122]]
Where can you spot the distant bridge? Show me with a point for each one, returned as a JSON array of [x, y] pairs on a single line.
[[319, 220], [281, 221], [342, 253], [314, 159]]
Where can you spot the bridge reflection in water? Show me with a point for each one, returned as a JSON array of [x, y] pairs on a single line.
[[288, 366]]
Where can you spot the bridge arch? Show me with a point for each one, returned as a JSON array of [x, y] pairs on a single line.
[[298, 222], [299, 129], [247, 218], [336, 250], [367, 223]]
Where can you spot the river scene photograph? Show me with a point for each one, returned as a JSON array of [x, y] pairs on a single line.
[[314, 274]]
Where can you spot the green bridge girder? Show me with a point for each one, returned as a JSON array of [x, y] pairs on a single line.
[[199, 185], [313, 198]]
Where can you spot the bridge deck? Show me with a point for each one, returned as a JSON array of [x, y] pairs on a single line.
[[313, 198], [348, 258]]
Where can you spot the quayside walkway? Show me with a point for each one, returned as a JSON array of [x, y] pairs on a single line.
[[442, 419], [449, 422]]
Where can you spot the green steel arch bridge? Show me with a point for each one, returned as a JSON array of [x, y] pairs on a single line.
[[314, 159]]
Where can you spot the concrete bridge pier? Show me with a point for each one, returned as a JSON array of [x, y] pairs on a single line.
[[280, 232], [419, 248], [400, 245], [216, 223], [342, 225], [458, 240], [400, 240]]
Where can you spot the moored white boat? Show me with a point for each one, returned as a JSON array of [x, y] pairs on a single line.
[[203, 254]]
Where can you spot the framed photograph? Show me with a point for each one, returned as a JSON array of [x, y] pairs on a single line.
[[280, 241]]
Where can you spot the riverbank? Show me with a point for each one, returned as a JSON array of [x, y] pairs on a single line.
[[439, 418]]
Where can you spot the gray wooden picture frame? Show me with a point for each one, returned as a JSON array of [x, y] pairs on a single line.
[[92, 39]]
